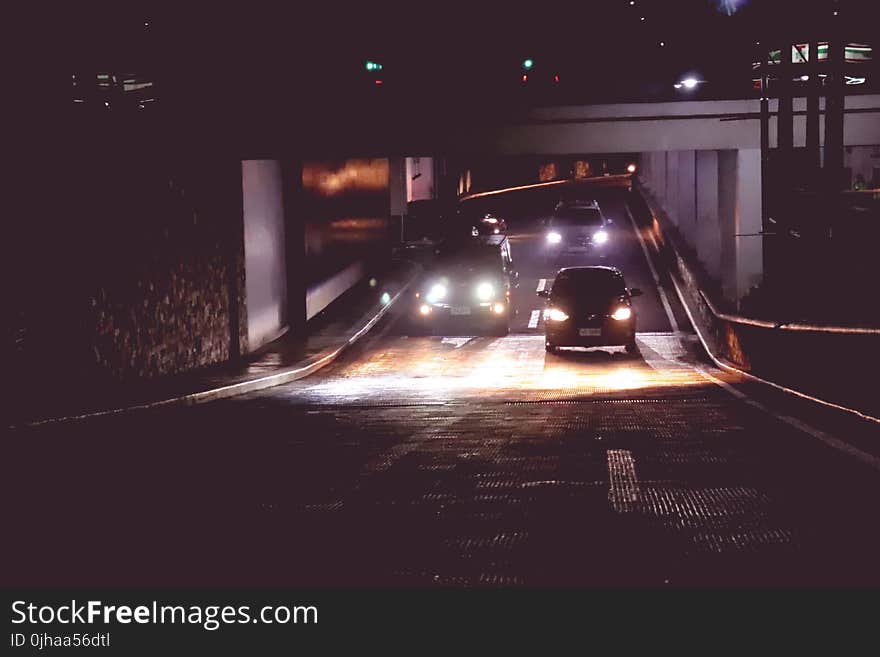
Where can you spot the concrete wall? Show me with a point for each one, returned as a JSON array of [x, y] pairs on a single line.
[[707, 238], [264, 250], [862, 160], [713, 197], [419, 178], [676, 126]]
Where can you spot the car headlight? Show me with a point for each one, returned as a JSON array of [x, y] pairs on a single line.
[[554, 238], [490, 220], [436, 293], [621, 314], [556, 315], [600, 237], [485, 291]]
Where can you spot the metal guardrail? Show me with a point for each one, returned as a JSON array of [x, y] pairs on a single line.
[[787, 326]]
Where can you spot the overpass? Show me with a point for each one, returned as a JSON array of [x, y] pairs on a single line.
[[700, 159], [646, 127]]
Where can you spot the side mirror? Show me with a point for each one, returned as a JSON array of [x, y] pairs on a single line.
[[543, 293], [635, 292]]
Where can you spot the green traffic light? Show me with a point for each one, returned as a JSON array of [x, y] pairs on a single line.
[[373, 66], [527, 64]]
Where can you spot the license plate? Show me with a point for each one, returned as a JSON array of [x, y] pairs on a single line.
[[460, 310], [585, 332]]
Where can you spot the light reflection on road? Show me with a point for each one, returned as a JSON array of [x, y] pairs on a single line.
[[447, 369]]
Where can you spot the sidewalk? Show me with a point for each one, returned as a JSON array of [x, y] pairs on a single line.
[[288, 358]]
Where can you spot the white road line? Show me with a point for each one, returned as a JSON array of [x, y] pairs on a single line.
[[672, 321], [831, 441], [542, 283], [623, 483], [729, 368], [533, 320]]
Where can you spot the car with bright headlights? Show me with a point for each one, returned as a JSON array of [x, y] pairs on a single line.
[[590, 307], [469, 282], [577, 227], [489, 224]]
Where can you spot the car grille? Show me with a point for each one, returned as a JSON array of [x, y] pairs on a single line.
[[589, 319]]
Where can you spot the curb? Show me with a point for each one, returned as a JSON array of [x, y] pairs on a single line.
[[314, 364]]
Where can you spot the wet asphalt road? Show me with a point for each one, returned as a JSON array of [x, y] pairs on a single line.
[[459, 459]]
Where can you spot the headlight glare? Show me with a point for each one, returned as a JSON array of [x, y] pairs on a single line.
[[554, 238], [557, 315], [621, 314], [485, 291], [600, 237], [436, 293]]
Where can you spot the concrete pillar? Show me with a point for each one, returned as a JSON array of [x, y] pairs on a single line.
[[708, 228], [264, 251], [671, 195], [727, 221], [687, 211], [295, 237], [397, 189], [750, 243], [739, 210], [659, 187], [834, 115], [646, 170]]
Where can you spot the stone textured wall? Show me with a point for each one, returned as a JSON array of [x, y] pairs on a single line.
[[169, 318], [133, 266], [166, 308]]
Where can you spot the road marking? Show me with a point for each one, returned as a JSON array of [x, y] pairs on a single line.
[[533, 320], [457, 342], [672, 321], [542, 283], [623, 483], [831, 441]]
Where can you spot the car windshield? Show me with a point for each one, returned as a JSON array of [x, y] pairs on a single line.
[[588, 284], [577, 217]]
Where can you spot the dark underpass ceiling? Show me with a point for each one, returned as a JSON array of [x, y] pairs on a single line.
[[251, 75]]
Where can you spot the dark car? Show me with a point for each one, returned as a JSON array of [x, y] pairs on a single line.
[[590, 307], [577, 228], [469, 281], [489, 224]]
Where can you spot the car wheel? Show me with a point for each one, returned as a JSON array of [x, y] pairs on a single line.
[[632, 348], [550, 348]]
